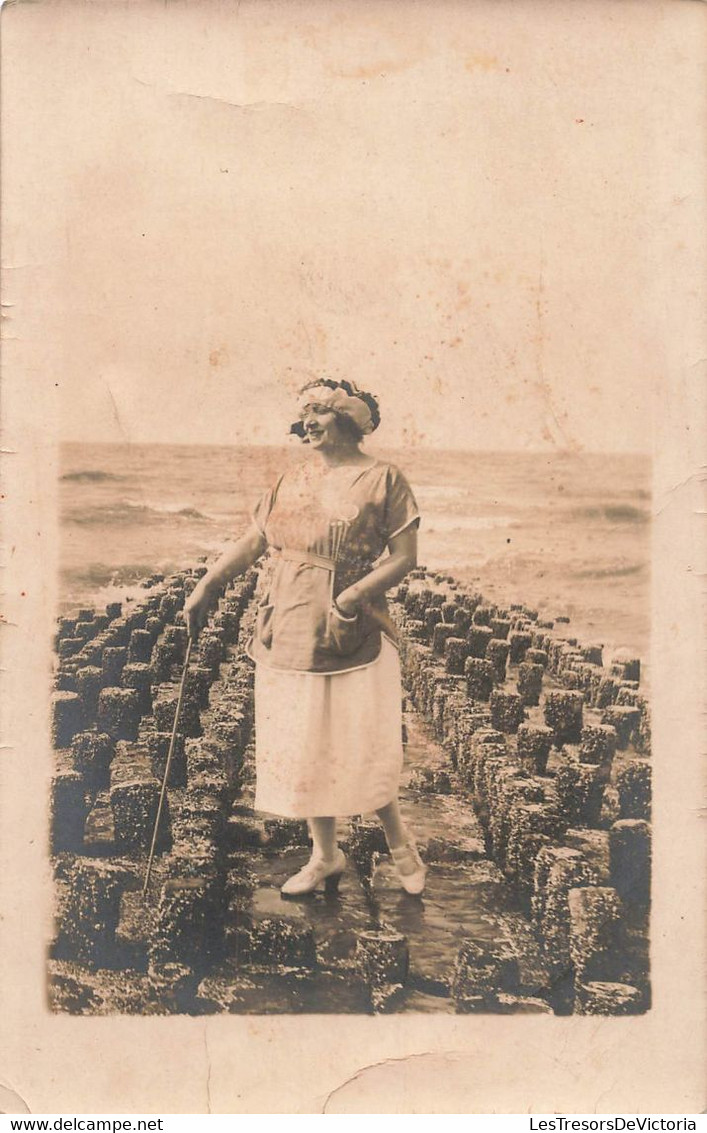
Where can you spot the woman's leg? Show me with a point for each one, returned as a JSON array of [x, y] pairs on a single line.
[[326, 864], [323, 831], [396, 833], [410, 866]]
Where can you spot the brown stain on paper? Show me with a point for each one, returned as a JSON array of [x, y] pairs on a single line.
[[482, 62], [218, 357]]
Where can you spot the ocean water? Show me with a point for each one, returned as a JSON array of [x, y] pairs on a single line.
[[567, 533]]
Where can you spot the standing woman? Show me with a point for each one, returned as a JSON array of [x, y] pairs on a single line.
[[328, 713]]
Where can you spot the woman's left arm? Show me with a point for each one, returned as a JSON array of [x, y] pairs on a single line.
[[401, 560]]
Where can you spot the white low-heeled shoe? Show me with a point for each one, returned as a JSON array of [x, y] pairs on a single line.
[[313, 873], [412, 871]]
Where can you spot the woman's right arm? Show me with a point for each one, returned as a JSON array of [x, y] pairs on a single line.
[[236, 560]]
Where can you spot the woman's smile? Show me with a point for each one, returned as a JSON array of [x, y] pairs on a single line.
[[321, 426]]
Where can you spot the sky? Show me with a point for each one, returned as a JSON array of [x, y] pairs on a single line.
[[456, 205]]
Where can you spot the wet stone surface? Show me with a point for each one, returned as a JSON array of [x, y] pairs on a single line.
[[497, 813], [457, 904], [294, 992], [336, 918]]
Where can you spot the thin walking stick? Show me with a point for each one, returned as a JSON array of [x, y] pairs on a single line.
[[163, 792]]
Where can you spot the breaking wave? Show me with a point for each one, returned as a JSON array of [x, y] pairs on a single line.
[[90, 476], [129, 512]]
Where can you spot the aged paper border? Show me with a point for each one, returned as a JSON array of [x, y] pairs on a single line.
[[428, 1064]]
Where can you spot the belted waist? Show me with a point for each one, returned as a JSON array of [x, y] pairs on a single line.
[[292, 556], [298, 628]]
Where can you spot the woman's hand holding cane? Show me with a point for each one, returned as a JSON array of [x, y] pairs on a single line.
[[197, 608], [233, 562]]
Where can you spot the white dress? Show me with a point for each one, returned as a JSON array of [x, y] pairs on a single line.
[[329, 745], [328, 697]]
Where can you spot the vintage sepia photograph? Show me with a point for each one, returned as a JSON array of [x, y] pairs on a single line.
[[350, 356], [346, 724]]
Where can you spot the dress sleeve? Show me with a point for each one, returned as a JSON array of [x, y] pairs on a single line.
[[261, 511], [401, 508]]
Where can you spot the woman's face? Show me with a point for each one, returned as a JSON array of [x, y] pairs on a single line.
[[322, 427]]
